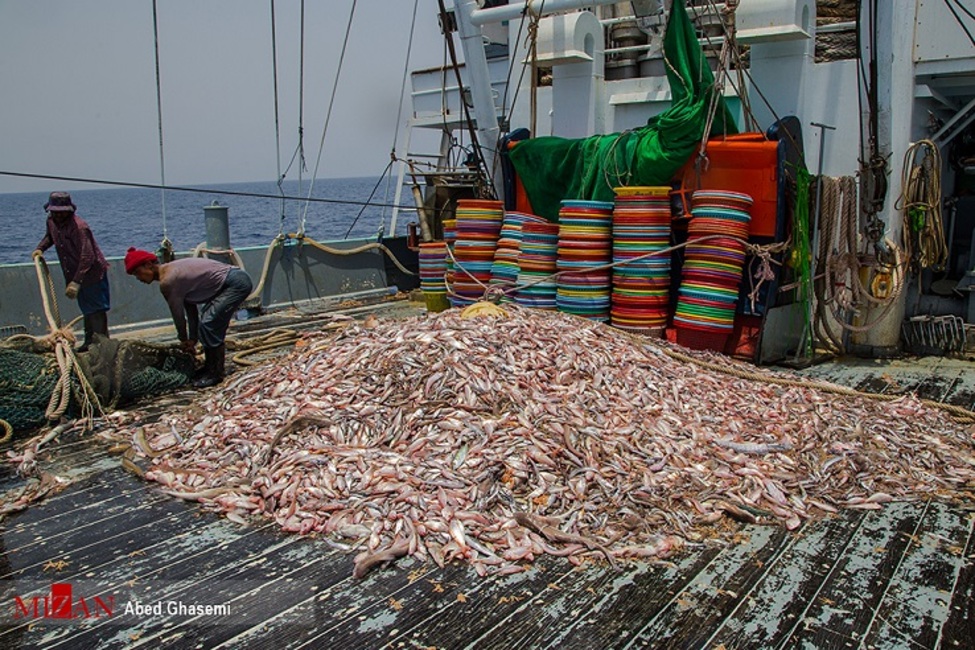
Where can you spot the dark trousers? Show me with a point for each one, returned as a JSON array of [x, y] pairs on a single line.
[[215, 315], [94, 298]]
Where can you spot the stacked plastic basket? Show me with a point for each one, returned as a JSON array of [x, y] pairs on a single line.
[[478, 227], [585, 242], [641, 275], [504, 271], [713, 263], [433, 266], [537, 258]]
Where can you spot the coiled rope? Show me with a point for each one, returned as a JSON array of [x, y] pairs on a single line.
[[840, 292], [920, 200], [8, 431]]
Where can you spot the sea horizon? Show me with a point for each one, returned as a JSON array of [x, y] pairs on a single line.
[[120, 217]]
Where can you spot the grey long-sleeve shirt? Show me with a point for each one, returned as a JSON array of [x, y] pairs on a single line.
[[188, 282]]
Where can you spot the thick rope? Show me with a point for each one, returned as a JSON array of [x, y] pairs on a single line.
[[304, 239], [63, 341], [724, 367], [920, 201]]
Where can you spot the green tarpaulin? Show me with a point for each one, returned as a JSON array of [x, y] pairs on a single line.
[[552, 168]]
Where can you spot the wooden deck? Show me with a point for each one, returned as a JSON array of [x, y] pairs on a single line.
[[901, 577]]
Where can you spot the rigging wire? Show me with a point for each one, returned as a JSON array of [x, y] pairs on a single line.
[[406, 75], [328, 117], [277, 119], [389, 166], [505, 114], [198, 190], [162, 163], [736, 52], [300, 151], [399, 113]]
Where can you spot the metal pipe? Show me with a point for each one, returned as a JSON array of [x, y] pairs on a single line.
[[475, 62], [216, 217], [515, 10]]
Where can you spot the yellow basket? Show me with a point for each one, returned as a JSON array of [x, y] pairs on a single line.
[[645, 190], [436, 302]]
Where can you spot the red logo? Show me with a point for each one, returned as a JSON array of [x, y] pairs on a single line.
[[62, 604]]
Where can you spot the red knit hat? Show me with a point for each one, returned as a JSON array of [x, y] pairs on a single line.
[[135, 258]]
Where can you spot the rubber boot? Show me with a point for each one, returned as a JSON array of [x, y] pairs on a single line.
[[89, 329], [99, 323], [213, 364], [95, 323]]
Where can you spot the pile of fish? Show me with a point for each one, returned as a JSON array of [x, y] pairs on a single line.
[[497, 439]]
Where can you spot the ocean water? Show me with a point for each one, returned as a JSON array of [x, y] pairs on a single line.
[[125, 217]]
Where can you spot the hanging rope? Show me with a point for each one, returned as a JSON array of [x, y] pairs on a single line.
[[512, 61], [920, 201], [165, 244], [328, 117], [842, 294], [62, 339]]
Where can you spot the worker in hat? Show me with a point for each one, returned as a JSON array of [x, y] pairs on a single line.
[[84, 266], [203, 295]]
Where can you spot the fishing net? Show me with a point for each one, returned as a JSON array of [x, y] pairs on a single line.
[[552, 168], [118, 371], [27, 380]]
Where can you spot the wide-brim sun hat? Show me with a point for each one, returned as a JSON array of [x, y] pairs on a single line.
[[59, 202]]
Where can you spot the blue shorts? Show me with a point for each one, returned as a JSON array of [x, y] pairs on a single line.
[[94, 297]]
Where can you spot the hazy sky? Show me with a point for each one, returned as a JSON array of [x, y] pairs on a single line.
[[78, 87]]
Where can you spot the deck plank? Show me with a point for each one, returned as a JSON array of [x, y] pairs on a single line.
[[540, 621], [211, 566], [916, 603], [90, 541], [715, 591], [85, 497], [367, 613], [959, 630], [768, 615], [843, 610], [469, 606]]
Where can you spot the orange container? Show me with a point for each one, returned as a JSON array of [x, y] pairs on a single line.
[[747, 162]]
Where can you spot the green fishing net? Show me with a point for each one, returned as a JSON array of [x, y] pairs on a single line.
[[118, 371], [552, 168]]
